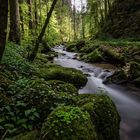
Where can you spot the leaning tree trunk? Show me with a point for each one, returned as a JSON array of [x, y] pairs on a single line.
[[39, 39], [3, 25], [14, 34]]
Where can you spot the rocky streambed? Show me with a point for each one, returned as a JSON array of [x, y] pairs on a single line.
[[128, 104]]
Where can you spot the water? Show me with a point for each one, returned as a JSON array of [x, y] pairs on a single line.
[[125, 98]]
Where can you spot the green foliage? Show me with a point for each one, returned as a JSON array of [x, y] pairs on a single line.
[[25, 136], [64, 121]]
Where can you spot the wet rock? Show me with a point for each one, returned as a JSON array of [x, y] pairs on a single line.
[[68, 123], [69, 75], [118, 77], [104, 115], [95, 56], [112, 56], [134, 70]]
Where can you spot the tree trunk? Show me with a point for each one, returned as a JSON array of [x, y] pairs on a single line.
[[30, 14], [36, 13], [21, 16], [3, 25], [14, 34], [39, 39]]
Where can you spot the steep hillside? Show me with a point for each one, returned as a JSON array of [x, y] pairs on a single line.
[[123, 19]]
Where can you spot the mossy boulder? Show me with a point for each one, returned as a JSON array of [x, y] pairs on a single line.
[[60, 86], [111, 55], [71, 47], [134, 70], [118, 77], [95, 56], [68, 123], [103, 114], [76, 46], [68, 75]]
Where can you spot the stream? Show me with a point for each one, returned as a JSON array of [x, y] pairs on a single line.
[[125, 98]]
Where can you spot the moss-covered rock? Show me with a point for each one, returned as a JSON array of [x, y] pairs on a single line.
[[134, 70], [119, 77], [76, 46], [60, 86], [68, 123], [112, 56], [69, 75], [71, 47], [104, 115], [95, 56]]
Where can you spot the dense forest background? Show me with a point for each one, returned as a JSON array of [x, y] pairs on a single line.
[[114, 18]]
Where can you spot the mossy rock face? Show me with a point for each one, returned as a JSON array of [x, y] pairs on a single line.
[[112, 56], [134, 70], [68, 75], [71, 47], [27, 136], [76, 46], [95, 56], [60, 86], [68, 123], [104, 115], [119, 77]]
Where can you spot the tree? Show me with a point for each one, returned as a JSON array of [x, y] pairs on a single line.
[[30, 14], [14, 34], [21, 16], [39, 39], [3, 25]]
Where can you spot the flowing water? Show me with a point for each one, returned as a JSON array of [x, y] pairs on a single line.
[[125, 98]]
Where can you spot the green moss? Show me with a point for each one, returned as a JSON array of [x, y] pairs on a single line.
[[69, 75], [112, 56], [60, 86], [68, 123], [95, 56], [134, 70], [103, 114]]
